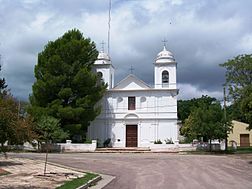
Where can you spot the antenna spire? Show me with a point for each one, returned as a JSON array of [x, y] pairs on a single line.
[[109, 19]]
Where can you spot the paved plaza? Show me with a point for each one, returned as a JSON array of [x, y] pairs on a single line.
[[163, 171]]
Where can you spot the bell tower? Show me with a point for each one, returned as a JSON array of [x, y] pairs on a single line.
[[165, 68], [104, 69]]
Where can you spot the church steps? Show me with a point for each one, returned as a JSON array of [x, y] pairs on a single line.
[[134, 150]]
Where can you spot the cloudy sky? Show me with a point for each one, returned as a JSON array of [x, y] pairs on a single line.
[[201, 34]]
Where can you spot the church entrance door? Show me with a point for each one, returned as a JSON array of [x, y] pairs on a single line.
[[131, 135]]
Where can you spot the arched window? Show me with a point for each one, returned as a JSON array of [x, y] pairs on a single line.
[[99, 77], [165, 77]]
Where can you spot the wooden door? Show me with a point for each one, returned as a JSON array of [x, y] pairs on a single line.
[[131, 135], [244, 140]]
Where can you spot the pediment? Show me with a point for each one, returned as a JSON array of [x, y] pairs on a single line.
[[131, 82]]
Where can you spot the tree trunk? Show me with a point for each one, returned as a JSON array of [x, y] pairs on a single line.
[[4, 150], [226, 142], [210, 145], [46, 158]]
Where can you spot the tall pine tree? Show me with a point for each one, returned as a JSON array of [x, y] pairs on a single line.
[[65, 86]]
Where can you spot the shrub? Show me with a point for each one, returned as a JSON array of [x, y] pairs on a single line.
[[168, 141], [88, 141], [158, 141]]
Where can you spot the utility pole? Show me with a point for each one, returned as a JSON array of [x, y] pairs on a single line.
[[19, 106], [225, 118]]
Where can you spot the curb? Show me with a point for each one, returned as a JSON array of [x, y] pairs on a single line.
[[89, 183], [134, 152]]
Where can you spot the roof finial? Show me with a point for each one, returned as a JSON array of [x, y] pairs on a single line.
[[102, 46], [164, 41], [131, 69]]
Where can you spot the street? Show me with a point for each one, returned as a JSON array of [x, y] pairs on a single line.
[[162, 171]]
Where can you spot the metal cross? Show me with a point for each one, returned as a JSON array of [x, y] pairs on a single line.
[[102, 46], [131, 69], [164, 41]]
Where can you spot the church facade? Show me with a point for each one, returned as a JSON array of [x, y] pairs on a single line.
[[133, 113]]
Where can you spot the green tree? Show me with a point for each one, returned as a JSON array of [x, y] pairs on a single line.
[[14, 128], [49, 131], [3, 86], [206, 122], [65, 86], [239, 82], [185, 107]]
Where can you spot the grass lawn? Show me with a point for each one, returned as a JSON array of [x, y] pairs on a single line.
[[73, 184], [239, 150], [243, 150], [3, 172]]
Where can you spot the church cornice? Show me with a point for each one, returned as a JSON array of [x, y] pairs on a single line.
[[149, 89]]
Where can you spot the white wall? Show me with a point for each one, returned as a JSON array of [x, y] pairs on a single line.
[[158, 104], [155, 115], [148, 131], [68, 147]]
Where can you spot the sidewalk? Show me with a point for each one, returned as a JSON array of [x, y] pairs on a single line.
[[25, 173]]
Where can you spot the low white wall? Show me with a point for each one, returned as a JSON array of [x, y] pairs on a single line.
[[172, 147], [69, 147], [26, 146], [187, 147]]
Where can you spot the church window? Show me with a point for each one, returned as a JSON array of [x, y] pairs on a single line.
[[143, 99], [99, 77], [119, 99], [165, 77], [131, 103]]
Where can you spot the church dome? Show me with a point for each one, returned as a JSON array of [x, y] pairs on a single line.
[[103, 56], [165, 55]]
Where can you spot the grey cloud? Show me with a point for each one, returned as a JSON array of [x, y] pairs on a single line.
[[201, 35]]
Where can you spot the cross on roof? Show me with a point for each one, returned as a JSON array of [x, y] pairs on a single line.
[[164, 41], [102, 45], [131, 69]]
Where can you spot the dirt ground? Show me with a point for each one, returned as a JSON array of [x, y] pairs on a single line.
[[3, 172], [25, 173]]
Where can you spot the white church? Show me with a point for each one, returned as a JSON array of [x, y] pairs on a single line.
[[135, 114]]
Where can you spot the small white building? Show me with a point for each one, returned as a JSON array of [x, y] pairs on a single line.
[[135, 114]]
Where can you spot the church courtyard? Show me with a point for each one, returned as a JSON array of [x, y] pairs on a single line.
[[161, 170]]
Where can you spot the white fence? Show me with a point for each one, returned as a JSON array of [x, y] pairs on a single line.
[[69, 147]]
